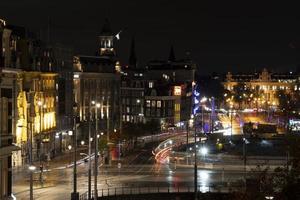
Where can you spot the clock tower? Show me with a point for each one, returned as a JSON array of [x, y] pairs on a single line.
[[106, 39]]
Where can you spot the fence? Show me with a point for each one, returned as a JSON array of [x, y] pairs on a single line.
[[155, 190]]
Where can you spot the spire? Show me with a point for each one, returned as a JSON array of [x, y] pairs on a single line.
[[132, 56], [106, 29], [171, 55]]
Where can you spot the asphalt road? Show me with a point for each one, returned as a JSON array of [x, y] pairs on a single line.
[[138, 170]]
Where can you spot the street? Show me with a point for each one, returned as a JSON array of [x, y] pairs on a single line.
[[140, 170]]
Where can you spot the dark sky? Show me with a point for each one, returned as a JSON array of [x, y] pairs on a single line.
[[220, 35]]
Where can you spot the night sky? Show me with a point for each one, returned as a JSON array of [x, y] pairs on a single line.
[[220, 36]]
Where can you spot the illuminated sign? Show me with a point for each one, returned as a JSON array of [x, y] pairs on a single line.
[[177, 90]]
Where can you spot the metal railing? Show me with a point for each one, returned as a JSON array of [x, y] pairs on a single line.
[[155, 190]]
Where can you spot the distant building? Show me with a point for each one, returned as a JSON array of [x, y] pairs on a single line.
[[266, 84], [168, 92], [133, 90], [160, 91], [97, 78]]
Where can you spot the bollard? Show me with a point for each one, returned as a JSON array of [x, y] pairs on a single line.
[[102, 192], [115, 191], [107, 191]]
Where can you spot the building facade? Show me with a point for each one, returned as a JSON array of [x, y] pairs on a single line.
[[97, 80], [160, 91], [7, 117], [263, 88], [36, 66]]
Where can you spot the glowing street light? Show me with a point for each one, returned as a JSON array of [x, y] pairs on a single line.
[[203, 151], [82, 142], [32, 168], [70, 133]]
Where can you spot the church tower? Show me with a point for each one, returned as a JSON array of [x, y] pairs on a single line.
[[106, 39]]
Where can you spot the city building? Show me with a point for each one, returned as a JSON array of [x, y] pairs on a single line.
[[97, 79], [160, 91], [64, 61], [35, 84], [168, 92], [7, 115], [133, 90], [263, 88]]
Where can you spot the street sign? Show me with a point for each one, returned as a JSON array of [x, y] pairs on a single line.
[[119, 165]]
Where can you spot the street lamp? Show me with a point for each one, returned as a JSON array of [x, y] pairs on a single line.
[[70, 147], [231, 128], [203, 152], [40, 104], [89, 152], [75, 194], [96, 136]]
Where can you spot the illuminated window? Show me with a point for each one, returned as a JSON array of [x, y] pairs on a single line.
[[177, 107], [177, 90], [150, 84], [153, 104], [148, 103], [158, 104]]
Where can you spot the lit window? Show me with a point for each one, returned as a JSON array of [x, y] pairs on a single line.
[[150, 84], [159, 104], [148, 103], [127, 109], [153, 104], [177, 107]]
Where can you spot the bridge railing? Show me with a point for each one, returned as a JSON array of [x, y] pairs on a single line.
[[154, 190]]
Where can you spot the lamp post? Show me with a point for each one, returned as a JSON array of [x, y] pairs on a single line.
[[40, 104], [231, 128], [70, 148], [96, 136], [89, 153], [75, 194], [31, 167], [195, 95]]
